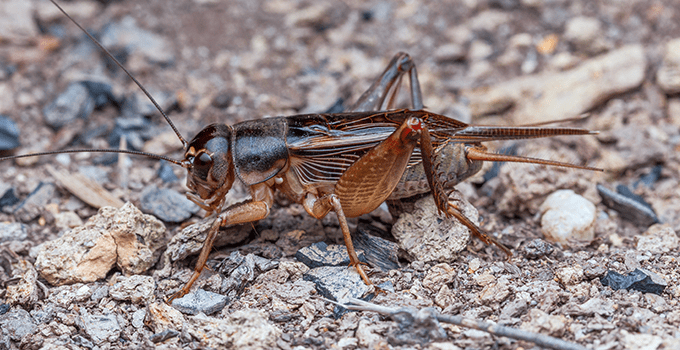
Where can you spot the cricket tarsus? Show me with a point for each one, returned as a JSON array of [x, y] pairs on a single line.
[[348, 163]]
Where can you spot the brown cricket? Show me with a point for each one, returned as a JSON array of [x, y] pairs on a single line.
[[348, 163]]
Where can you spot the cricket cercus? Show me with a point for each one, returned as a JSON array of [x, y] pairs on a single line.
[[348, 163]]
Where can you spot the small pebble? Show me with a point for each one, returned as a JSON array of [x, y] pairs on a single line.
[[138, 318], [200, 301], [9, 134], [567, 216], [337, 283], [17, 323], [659, 239], [166, 172], [166, 204], [630, 207], [33, 205], [537, 248], [101, 328], [9, 199], [75, 102], [135, 288], [13, 232], [164, 335]]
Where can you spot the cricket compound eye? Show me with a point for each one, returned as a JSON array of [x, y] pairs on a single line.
[[211, 167]]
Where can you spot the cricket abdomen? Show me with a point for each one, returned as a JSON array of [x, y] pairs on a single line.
[[454, 167]]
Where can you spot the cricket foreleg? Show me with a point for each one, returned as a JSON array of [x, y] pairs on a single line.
[[237, 214]]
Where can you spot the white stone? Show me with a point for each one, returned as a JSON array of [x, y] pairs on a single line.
[[567, 216]]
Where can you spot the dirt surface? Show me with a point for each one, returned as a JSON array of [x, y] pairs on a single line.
[[503, 62]]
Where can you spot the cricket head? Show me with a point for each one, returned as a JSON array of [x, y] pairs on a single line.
[[209, 164]]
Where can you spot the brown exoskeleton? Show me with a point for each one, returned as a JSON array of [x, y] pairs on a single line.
[[348, 163]]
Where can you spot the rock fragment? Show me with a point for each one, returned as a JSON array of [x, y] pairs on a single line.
[[13, 231], [200, 301], [337, 283], [241, 329], [630, 206], [567, 216], [668, 75], [586, 34], [17, 323], [556, 96], [163, 316], [32, 206], [9, 134], [427, 236], [639, 279], [167, 204], [101, 328], [74, 103], [23, 291], [658, 239], [135, 288], [124, 237], [540, 322], [321, 254]]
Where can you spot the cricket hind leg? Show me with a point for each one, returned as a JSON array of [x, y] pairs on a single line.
[[383, 92]]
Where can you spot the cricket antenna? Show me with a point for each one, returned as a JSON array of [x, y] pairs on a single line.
[[101, 47], [99, 150]]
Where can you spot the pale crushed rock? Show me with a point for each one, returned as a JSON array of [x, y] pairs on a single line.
[[556, 96], [427, 236], [112, 237], [668, 75], [658, 239]]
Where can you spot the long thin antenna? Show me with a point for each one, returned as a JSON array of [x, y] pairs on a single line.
[[101, 47], [97, 150]]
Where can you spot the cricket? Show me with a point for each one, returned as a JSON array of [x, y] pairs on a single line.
[[347, 163]]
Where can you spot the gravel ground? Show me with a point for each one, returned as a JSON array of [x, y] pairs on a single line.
[[77, 277]]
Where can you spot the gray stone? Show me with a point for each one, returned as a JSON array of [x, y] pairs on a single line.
[[242, 329], [200, 301], [167, 204], [321, 254], [74, 103], [13, 231], [17, 323], [126, 34], [9, 134], [586, 34], [136, 288], [337, 283], [32, 206], [101, 328]]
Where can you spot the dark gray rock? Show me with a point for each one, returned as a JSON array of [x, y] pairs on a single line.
[[166, 204], [639, 280], [378, 252], [9, 134], [33, 205], [166, 173], [200, 301], [537, 248], [17, 323], [321, 254], [629, 205], [101, 92], [75, 102], [9, 199], [241, 270]]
